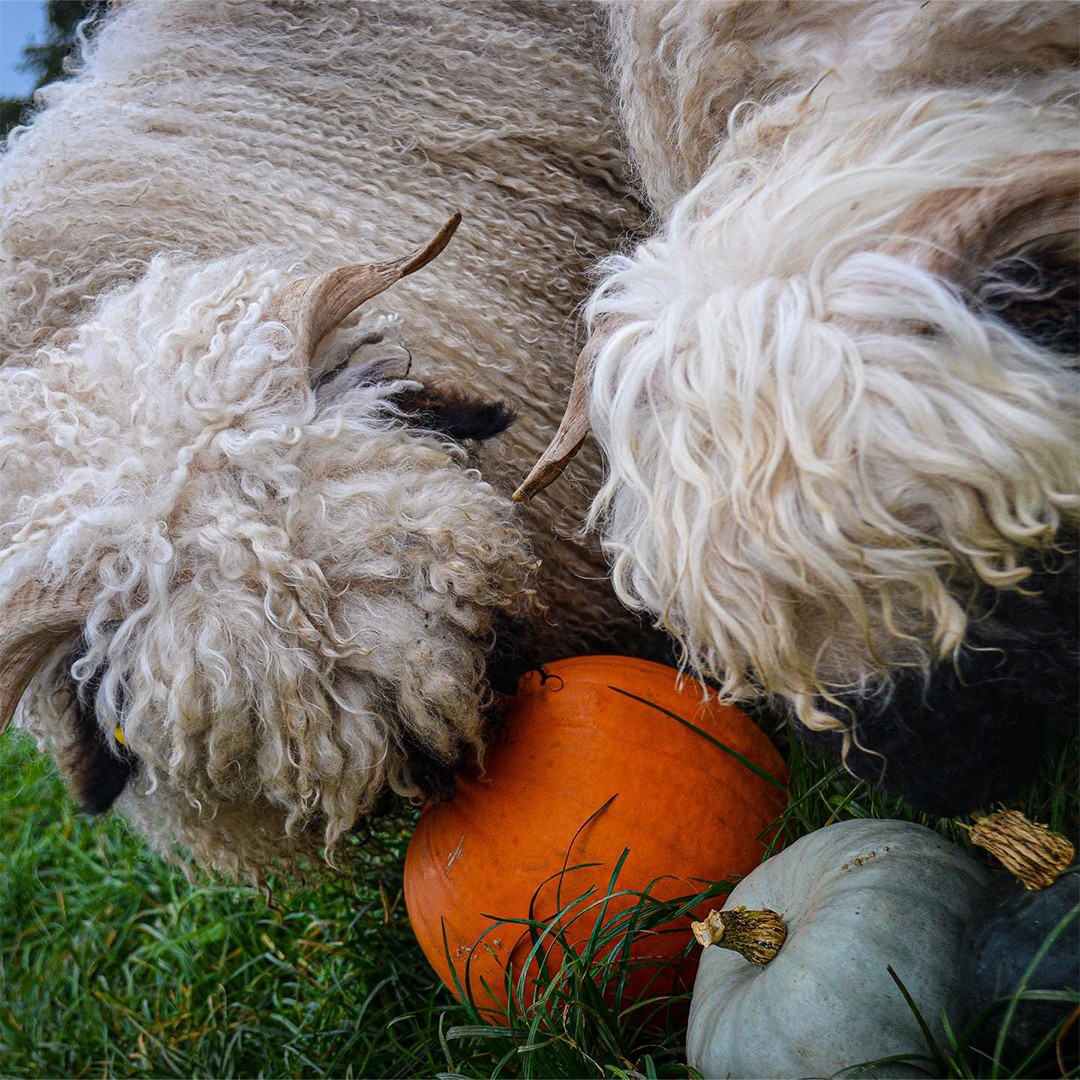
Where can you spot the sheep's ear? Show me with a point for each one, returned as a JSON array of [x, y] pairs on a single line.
[[313, 306], [453, 412], [31, 626], [957, 232]]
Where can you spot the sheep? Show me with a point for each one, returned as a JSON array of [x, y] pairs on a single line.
[[259, 566], [836, 389]]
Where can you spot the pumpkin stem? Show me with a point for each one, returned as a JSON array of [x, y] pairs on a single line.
[[1033, 854], [755, 935]]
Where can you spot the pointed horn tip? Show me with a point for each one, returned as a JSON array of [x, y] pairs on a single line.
[[313, 306], [570, 437], [542, 476], [549, 468], [433, 248]]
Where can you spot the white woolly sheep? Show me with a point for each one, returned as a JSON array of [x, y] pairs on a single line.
[[254, 565], [837, 389]]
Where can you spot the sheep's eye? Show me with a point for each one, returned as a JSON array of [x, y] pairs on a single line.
[[98, 766]]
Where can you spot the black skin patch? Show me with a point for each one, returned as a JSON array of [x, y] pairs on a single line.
[[448, 411], [511, 656], [509, 659], [1039, 298], [97, 766], [975, 733], [454, 413]]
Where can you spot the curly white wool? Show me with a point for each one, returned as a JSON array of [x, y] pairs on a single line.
[[814, 444], [690, 71], [289, 574], [287, 587]]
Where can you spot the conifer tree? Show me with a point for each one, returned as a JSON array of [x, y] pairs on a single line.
[[66, 21]]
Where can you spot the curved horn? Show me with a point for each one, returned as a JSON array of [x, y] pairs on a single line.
[[949, 231], [33, 623], [315, 305], [574, 426]]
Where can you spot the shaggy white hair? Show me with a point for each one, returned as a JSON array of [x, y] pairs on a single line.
[[817, 446], [276, 575], [286, 583]]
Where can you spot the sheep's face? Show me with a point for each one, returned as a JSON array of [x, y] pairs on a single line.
[[284, 583], [828, 413]]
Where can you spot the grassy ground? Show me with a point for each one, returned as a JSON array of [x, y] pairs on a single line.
[[116, 966]]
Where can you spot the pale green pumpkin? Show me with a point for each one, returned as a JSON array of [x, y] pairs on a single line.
[[857, 897]]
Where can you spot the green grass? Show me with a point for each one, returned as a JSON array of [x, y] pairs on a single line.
[[114, 965]]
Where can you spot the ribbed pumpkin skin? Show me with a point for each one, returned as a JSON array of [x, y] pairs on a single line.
[[857, 896], [682, 806]]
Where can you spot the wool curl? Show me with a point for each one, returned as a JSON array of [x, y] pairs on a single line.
[[285, 590], [291, 584], [687, 69], [819, 451]]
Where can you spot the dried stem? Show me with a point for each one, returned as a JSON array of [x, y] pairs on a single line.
[[1033, 854], [755, 935]]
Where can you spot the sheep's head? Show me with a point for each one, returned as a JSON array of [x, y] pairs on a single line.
[[828, 414], [258, 574]]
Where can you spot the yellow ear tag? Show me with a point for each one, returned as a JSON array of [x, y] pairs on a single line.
[[118, 735]]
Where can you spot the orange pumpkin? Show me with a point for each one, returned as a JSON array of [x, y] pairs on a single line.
[[584, 772]]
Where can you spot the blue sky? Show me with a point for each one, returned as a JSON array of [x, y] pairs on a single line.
[[21, 21]]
